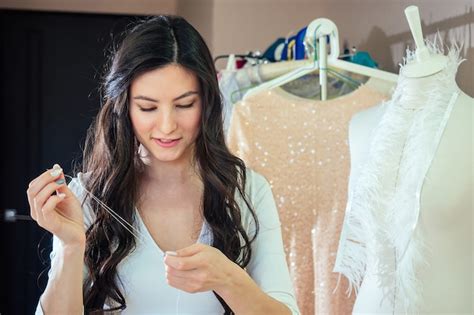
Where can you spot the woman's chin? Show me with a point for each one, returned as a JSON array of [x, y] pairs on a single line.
[[167, 158], [164, 155]]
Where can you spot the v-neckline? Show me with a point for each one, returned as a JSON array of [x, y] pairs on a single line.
[[200, 239]]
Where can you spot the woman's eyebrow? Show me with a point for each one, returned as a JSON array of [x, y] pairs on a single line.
[[185, 95], [146, 98]]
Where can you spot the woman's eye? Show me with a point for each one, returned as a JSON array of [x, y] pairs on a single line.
[[185, 106], [143, 109]]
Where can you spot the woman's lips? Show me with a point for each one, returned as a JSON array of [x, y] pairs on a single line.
[[167, 143]]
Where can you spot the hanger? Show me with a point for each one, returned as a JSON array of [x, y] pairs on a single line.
[[317, 31]]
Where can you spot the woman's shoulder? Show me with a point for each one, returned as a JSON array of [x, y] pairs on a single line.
[[255, 182], [259, 193], [257, 187]]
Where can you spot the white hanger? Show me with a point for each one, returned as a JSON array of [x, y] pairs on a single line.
[[316, 29], [425, 63], [231, 63]]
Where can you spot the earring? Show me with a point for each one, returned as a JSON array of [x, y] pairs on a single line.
[[141, 151]]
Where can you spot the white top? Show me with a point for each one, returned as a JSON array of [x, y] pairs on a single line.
[[142, 272]]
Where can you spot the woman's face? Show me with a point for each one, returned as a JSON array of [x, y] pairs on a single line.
[[165, 110]]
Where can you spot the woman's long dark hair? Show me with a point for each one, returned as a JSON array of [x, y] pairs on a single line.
[[113, 165]]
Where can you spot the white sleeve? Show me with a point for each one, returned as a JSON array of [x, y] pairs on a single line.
[[268, 266], [76, 187]]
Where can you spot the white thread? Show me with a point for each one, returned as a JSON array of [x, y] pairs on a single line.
[[177, 302], [114, 214]]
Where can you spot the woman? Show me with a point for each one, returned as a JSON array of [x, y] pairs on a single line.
[[209, 235]]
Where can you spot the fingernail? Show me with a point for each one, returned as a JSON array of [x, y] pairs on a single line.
[[60, 181], [61, 195], [56, 166], [56, 172], [171, 253]]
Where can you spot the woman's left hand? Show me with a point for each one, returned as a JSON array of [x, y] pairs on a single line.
[[200, 268]]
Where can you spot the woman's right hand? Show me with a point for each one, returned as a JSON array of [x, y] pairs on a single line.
[[61, 213]]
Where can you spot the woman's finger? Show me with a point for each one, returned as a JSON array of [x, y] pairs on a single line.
[[32, 182], [33, 213], [44, 179], [37, 184], [183, 263], [45, 193], [187, 274], [49, 214], [191, 250], [184, 284], [39, 213]]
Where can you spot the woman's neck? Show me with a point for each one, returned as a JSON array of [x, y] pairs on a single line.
[[169, 180], [169, 174]]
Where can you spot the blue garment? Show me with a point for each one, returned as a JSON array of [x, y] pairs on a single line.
[[290, 43], [269, 54], [299, 46]]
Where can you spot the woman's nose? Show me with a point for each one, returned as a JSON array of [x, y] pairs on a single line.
[[168, 123]]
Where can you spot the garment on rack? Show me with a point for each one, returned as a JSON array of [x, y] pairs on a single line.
[[273, 53], [301, 147], [232, 84], [381, 237]]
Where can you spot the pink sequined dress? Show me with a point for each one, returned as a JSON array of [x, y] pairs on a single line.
[[301, 147]]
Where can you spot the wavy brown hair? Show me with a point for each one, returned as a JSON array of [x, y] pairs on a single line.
[[114, 167]]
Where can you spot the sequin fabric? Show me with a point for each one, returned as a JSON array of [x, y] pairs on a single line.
[[301, 147]]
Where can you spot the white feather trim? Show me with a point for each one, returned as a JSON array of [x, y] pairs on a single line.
[[380, 234]]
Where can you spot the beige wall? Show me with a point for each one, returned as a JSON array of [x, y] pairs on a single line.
[[238, 26], [95, 6], [201, 15]]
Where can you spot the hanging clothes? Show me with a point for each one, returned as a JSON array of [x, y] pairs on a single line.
[[232, 84], [301, 147]]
